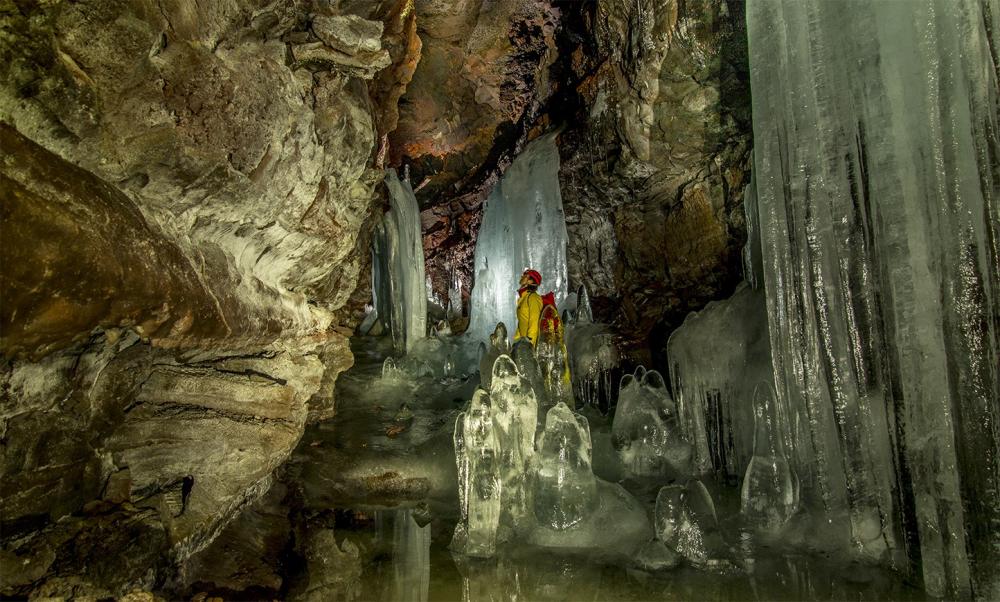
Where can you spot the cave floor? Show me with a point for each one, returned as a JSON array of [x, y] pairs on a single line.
[[384, 484]]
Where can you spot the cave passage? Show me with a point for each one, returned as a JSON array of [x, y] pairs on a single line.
[[500, 300]]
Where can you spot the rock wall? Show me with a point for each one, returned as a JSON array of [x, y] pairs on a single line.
[[656, 159], [187, 192]]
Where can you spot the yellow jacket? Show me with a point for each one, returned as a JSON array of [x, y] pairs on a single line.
[[529, 312]]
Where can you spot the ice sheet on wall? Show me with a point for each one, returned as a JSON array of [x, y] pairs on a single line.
[[523, 226], [876, 167]]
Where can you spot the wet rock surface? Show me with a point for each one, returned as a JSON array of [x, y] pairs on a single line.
[[186, 194], [655, 163]]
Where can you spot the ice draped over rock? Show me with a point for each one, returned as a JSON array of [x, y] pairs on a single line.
[[876, 162], [398, 282], [523, 226]]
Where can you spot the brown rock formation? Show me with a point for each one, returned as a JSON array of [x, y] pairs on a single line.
[[185, 191], [654, 171]]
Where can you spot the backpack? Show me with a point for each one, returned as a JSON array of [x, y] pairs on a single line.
[[549, 322]]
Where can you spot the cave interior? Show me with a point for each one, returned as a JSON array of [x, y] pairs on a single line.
[[265, 332]]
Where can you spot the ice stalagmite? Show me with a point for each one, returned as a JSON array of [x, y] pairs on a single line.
[[769, 495], [564, 488], [685, 520], [477, 456], [523, 226], [498, 345], [515, 417], [877, 178], [645, 431], [398, 279]]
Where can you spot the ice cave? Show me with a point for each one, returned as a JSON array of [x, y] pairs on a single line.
[[500, 300]]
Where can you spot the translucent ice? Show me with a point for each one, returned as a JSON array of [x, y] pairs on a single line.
[[770, 492], [398, 267], [717, 357], [515, 417], [523, 355], [592, 353], [564, 487], [645, 431], [477, 452], [686, 522], [554, 365], [499, 344], [875, 157], [523, 226]]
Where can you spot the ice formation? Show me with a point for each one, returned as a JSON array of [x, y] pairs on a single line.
[[523, 226], [875, 135], [499, 344], [398, 287], [515, 417], [564, 488], [769, 495], [553, 363], [477, 456], [685, 520], [592, 353], [645, 431], [717, 357], [523, 355]]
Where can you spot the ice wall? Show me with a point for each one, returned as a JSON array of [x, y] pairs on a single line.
[[398, 281], [523, 226], [876, 160]]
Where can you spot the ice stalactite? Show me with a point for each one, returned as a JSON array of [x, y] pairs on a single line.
[[717, 357], [398, 283], [523, 226], [877, 184], [592, 353]]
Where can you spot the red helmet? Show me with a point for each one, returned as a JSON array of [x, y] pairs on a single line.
[[533, 275]]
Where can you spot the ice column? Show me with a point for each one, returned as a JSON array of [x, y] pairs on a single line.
[[523, 226], [515, 417], [876, 160], [398, 283]]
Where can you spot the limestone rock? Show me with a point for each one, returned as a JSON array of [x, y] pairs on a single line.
[[654, 170], [319, 57], [349, 34]]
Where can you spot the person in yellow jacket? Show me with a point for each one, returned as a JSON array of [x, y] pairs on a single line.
[[538, 318], [529, 307]]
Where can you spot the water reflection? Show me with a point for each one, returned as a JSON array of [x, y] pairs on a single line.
[[410, 547], [405, 561]]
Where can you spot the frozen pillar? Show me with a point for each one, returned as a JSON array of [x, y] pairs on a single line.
[[398, 282], [523, 226], [877, 180]]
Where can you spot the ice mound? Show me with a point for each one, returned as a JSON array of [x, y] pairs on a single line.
[[645, 431]]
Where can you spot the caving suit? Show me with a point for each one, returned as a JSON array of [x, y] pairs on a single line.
[[529, 312]]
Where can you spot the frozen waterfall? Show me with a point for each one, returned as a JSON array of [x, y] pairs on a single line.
[[398, 284], [523, 226], [877, 185]]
